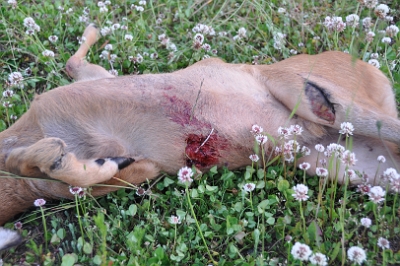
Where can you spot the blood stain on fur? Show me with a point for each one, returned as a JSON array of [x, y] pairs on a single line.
[[181, 112], [203, 152]]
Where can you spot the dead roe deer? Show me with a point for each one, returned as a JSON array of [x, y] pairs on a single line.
[[135, 127]]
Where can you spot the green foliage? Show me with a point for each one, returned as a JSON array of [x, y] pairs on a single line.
[[228, 226]]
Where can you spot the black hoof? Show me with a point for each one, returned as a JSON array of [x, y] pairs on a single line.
[[121, 161]]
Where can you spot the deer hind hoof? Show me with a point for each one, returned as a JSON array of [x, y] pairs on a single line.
[[122, 162]]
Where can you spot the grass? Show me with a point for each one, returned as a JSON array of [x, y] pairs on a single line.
[[216, 221]]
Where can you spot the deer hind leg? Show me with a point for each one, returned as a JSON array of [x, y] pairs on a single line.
[[49, 156], [77, 67]]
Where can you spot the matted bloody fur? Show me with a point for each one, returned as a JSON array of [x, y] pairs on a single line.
[[86, 132]]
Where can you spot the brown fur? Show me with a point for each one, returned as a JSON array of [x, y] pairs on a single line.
[[162, 121]]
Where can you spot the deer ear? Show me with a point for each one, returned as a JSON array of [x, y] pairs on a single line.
[[305, 97]]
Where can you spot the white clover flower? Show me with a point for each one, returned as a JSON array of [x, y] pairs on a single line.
[[53, 38], [356, 254], [291, 147], [104, 55], [351, 174], [174, 219], [377, 194], [139, 8], [261, 139], [105, 31], [366, 222], [256, 129], [185, 175], [381, 159], [321, 172], [296, 129], [69, 11], [374, 56], [48, 53], [115, 26], [39, 202], [128, 37], [113, 57], [389, 18], [364, 188], [142, 3], [81, 39], [305, 151], [301, 251], [8, 93], [284, 132], [83, 19], [204, 29], [139, 58], [206, 47], [370, 36], [279, 40], [319, 259], [254, 158], [248, 187], [370, 3], [394, 183], [153, 55], [30, 32], [347, 128], [293, 51], [300, 192], [75, 190], [381, 11], [390, 173], [281, 10], [108, 47], [386, 40], [29, 22], [199, 38], [163, 37], [319, 148], [15, 77], [7, 104], [113, 72], [383, 243], [334, 149], [13, 3], [334, 24], [374, 62], [103, 9], [392, 30], [367, 23], [242, 32], [352, 20], [349, 158], [304, 166]]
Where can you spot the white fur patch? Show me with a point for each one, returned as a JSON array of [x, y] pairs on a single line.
[[8, 238]]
